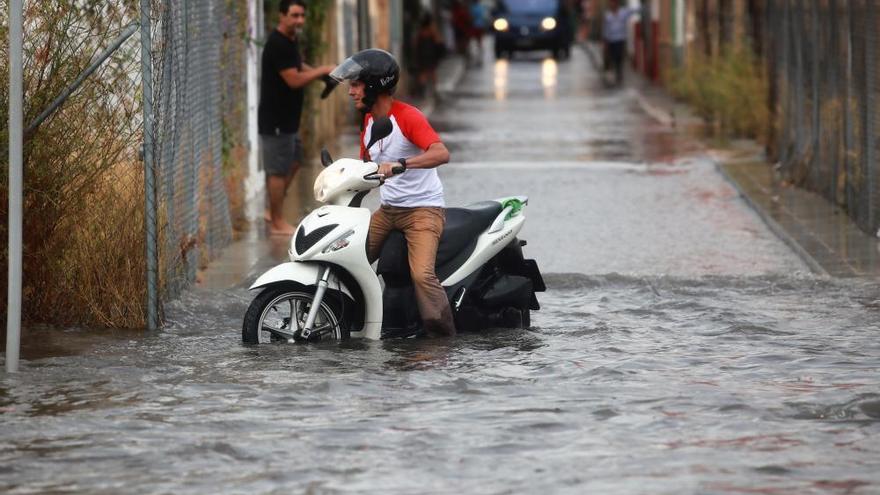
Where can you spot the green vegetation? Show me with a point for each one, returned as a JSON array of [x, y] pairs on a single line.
[[729, 91]]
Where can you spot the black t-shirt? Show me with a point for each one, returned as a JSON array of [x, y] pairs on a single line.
[[280, 105]]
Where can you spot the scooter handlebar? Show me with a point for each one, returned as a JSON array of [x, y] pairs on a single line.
[[395, 170]]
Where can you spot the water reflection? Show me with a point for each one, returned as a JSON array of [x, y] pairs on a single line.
[[417, 354], [549, 72], [500, 82]]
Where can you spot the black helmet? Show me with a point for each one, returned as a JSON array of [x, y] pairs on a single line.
[[376, 68]]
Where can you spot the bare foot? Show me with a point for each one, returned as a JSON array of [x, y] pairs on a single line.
[[281, 227]]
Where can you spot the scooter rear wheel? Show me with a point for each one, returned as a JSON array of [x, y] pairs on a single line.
[[279, 312]]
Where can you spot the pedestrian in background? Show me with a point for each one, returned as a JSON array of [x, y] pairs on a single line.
[[478, 28], [585, 14], [284, 75], [614, 34], [461, 26], [429, 50]]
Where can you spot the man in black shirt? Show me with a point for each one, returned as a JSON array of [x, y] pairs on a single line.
[[284, 75]]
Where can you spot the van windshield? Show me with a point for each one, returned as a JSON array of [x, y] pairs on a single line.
[[535, 7]]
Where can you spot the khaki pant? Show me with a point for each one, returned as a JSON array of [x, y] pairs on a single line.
[[422, 227]]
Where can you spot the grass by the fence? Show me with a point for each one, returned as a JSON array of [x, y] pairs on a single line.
[[728, 90], [102, 266], [83, 190]]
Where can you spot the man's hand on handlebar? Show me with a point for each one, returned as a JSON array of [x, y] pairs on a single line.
[[388, 169]]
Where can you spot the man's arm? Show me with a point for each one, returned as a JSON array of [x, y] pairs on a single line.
[[296, 78], [434, 156]]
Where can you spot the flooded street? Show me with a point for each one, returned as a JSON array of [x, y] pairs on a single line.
[[681, 347]]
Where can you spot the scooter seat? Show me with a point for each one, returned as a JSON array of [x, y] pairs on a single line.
[[463, 226]]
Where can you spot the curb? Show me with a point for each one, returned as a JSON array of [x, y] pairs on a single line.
[[772, 224]]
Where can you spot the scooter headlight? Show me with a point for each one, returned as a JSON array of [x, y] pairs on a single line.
[[501, 24], [339, 243], [548, 24]]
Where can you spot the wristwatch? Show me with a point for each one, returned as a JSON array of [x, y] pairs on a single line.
[[402, 161]]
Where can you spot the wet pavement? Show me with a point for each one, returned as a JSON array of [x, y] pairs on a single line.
[[682, 347], [821, 232], [611, 189]]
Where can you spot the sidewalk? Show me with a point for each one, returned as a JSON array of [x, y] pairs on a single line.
[[255, 252], [817, 230]]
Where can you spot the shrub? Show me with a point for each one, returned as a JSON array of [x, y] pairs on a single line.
[[729, 91], [83, 191]]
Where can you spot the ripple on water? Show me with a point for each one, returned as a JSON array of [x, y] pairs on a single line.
[[862, 408], [748, 380]]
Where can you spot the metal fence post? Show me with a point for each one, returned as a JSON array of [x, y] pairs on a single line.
[[833, 75], [786, 142], [149, 170], [815, 49], [871, 117], [849, 116], [365, 35], [16, 179], [96, 63]]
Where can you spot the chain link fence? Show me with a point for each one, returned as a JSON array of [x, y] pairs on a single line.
[[822, 58], [823, 88], [84, 218], [199, 60], [825, 72]]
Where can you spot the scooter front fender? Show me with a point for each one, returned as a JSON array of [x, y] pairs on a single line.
[[300, 272]]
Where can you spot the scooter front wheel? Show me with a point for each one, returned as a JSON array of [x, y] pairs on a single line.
[[279, 312]]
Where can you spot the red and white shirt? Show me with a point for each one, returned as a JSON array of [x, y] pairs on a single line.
[[410, 136]]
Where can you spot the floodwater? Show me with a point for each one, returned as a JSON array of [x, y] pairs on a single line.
[[624, 385], [680, 348]]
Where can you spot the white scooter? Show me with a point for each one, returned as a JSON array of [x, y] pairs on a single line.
[[329, 290]]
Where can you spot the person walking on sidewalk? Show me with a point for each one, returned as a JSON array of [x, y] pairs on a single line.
[[413, 201], [284, 75], [478, 29], [429, 51], [461, 25], [614, 33]]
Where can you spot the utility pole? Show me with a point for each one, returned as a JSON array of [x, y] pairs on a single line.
[[16, 180], [149, 171]]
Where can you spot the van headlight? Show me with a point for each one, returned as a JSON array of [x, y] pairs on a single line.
[[548, 24], [501, 24]]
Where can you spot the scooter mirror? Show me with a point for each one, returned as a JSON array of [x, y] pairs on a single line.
[[326, 160], [381, 129]]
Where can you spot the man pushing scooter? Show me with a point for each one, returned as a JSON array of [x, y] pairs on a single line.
[[411, 202]]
